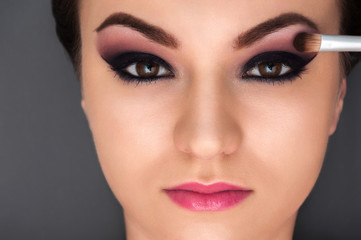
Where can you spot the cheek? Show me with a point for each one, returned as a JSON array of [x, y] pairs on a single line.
[[287, 132], [131, 131], [126, 134]]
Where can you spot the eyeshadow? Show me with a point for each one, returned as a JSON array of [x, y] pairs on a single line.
[[287, 58], [121, 47], [294, 62], [122, 60]]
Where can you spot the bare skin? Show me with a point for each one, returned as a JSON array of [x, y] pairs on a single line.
[[206, 123]]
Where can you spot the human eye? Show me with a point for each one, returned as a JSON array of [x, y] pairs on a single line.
[[274, 67], [140, 67]]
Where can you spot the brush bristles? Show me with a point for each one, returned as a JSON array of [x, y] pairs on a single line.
[[306, 42]]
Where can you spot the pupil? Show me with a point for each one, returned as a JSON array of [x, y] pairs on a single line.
[[270, 67], [148, 68]]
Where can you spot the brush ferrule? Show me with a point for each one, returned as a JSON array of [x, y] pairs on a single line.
[[340, 43]]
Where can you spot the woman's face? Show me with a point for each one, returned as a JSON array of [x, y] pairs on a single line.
[[198, 92]]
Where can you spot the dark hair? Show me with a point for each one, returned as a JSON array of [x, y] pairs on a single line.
[[66, 17], [68, 29], [350, 25]]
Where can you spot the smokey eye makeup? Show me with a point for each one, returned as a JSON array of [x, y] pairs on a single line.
[[275, 66], [270, 67], [140, 67]]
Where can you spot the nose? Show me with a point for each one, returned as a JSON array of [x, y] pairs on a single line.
[[207, 128]]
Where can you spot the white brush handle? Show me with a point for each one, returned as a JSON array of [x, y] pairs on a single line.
[[340, 43]]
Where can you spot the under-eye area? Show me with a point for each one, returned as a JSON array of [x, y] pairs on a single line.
[[140, 67], [277, 66]]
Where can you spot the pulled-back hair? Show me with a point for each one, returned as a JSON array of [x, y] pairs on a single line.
[[68, 29], [350, 25], [66, 17]]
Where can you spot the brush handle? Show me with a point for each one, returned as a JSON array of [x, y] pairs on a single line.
[[340, 43]]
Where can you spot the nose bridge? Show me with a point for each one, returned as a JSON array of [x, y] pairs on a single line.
[[206, 128]]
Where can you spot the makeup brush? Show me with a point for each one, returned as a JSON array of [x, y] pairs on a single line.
[[307, 42]]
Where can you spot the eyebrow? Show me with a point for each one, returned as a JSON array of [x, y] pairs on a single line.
[[244, 39], [270, 26], [152, 32]]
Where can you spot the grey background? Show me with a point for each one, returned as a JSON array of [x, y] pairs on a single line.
[[51, 185]]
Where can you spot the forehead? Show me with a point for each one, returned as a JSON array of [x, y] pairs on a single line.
[[216, 16]]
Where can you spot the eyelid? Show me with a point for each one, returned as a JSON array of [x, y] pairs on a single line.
[[295, 62], [124, 60], [277, 56]]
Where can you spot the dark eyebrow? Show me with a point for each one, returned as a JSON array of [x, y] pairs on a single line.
[[270, 26], [152, 32], [245, 39]]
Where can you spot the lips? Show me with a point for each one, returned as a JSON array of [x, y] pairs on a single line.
[[200, 197]]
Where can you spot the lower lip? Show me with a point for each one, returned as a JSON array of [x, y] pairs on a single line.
[[216, 201]]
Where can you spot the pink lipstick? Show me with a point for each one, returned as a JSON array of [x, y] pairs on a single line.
[[199, 197]]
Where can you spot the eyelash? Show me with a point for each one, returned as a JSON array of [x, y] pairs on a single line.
[[126, 60], [295, 63]]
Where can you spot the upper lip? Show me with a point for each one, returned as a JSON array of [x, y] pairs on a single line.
[[207, 188]]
